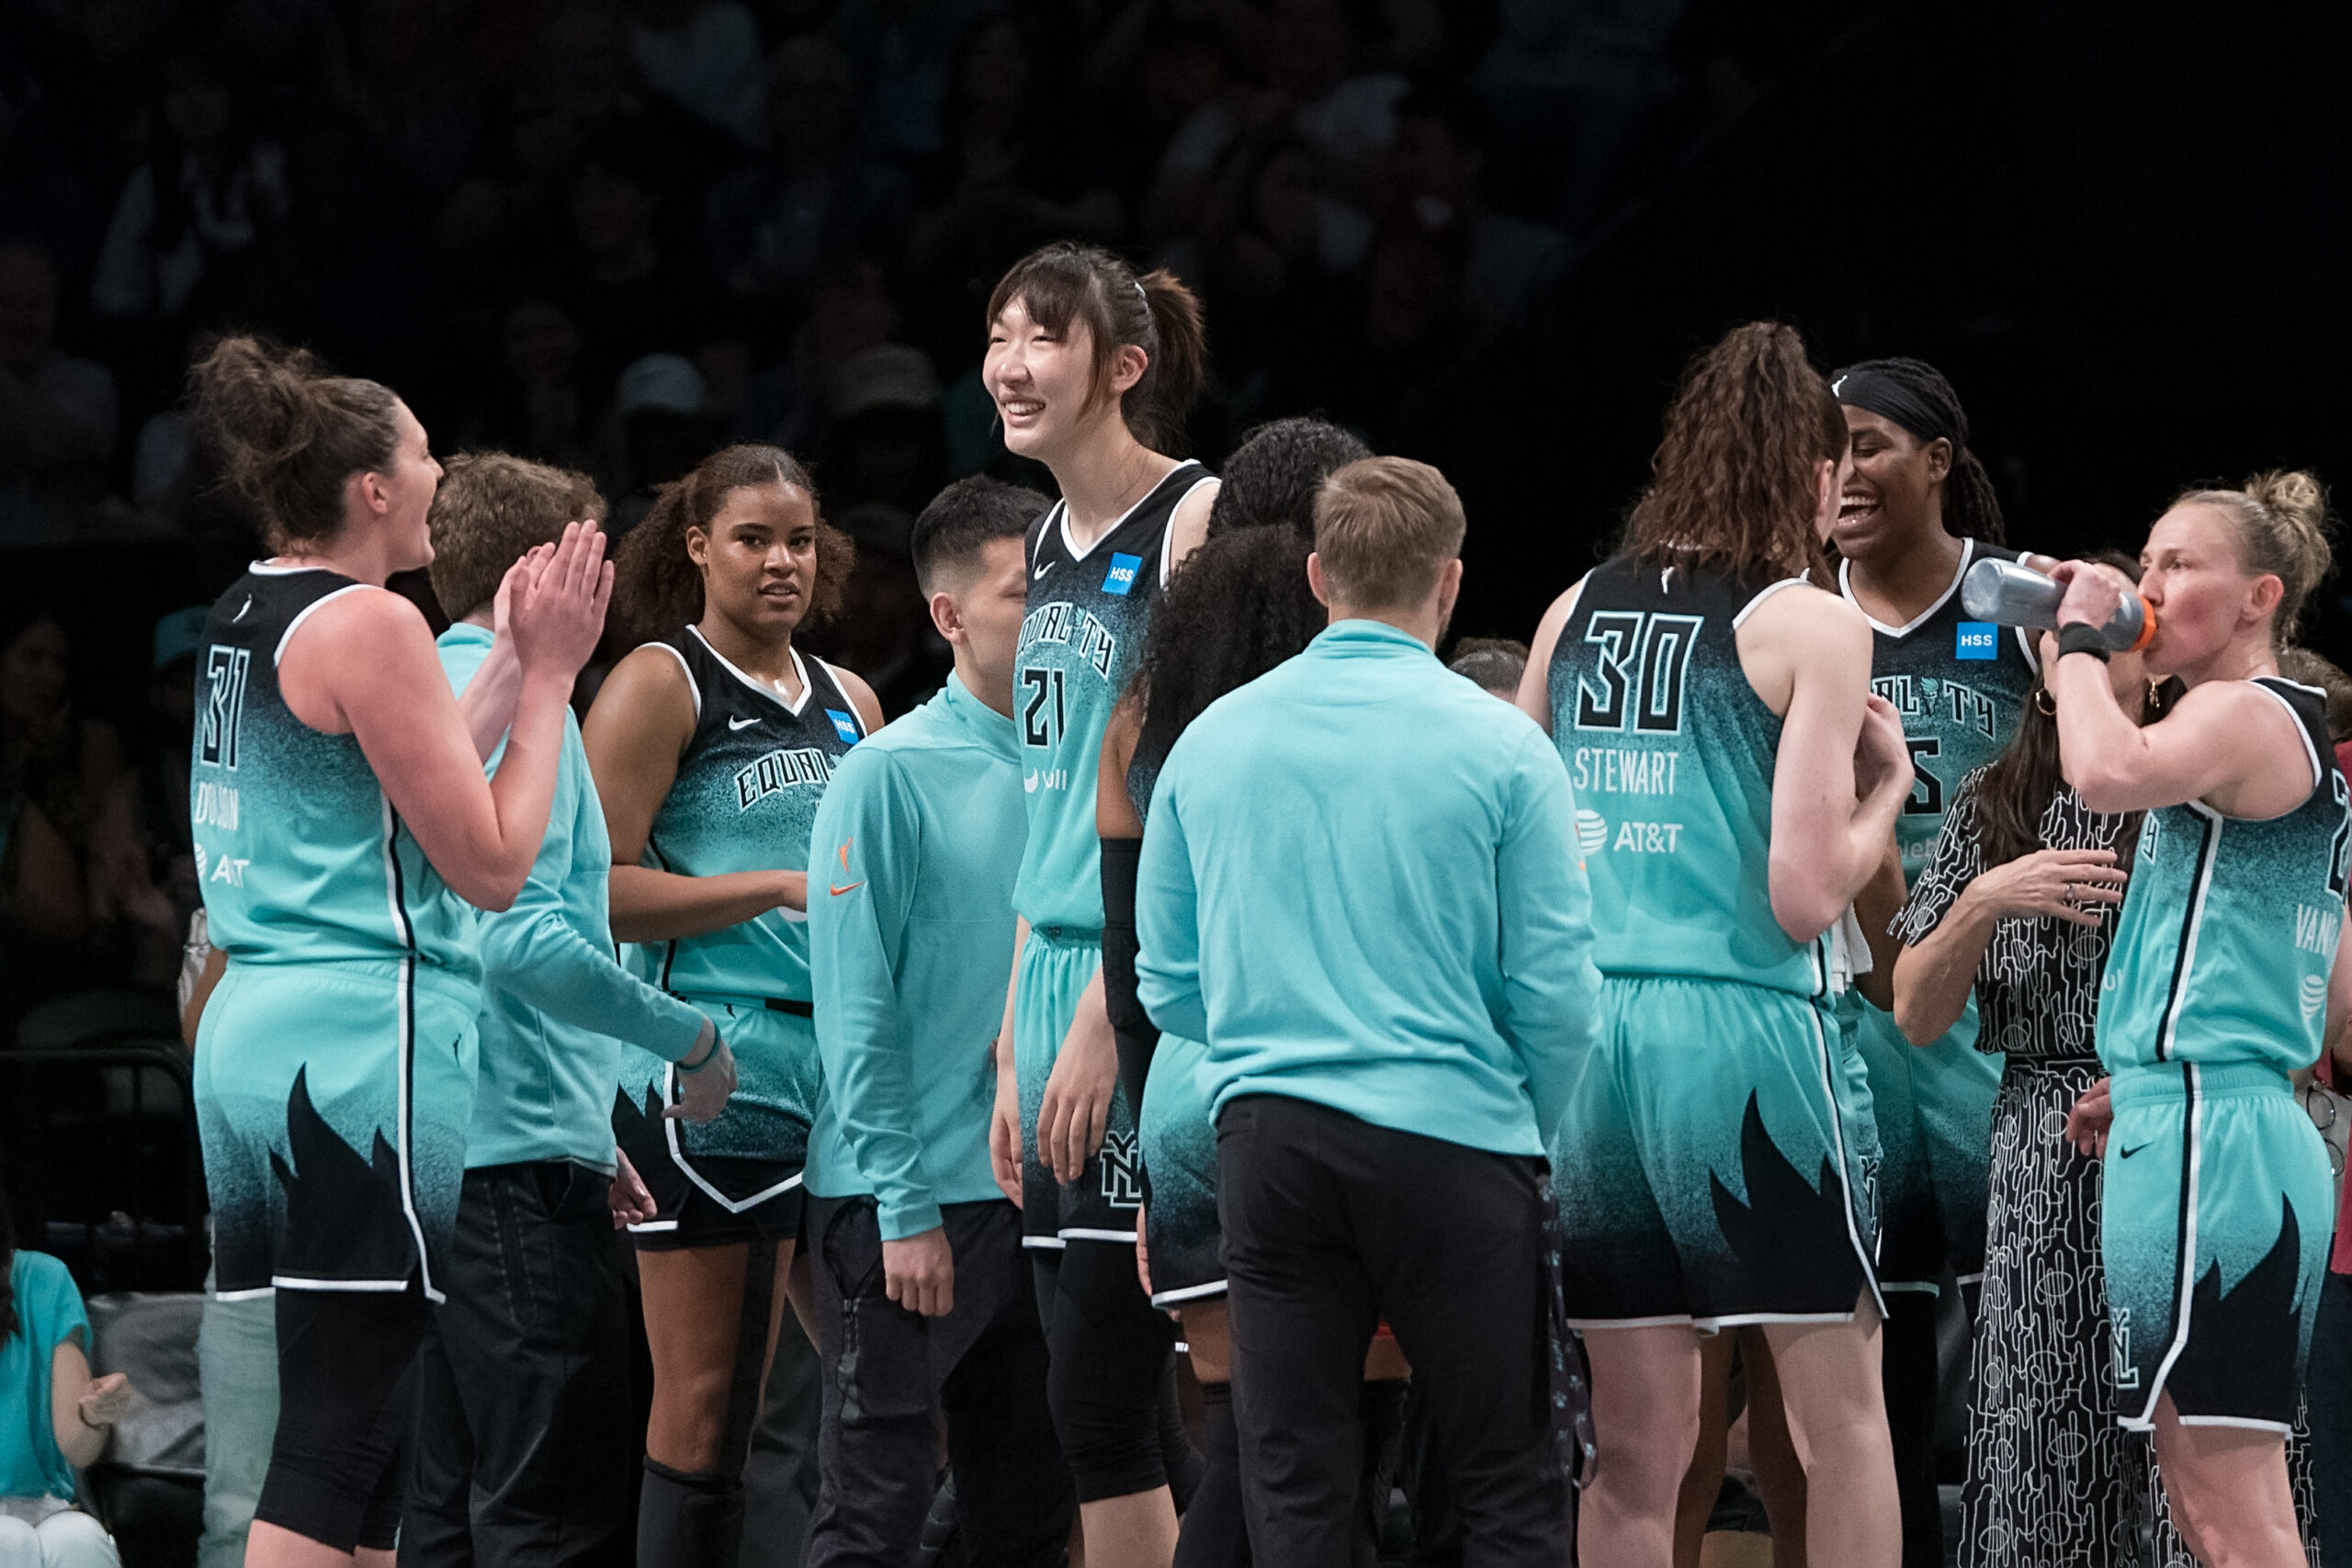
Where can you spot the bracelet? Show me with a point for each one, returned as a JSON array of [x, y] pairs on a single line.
[[2081, 636], [708, 1045]]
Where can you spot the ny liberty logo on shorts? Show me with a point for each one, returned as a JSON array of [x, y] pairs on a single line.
[[1121, 1173]]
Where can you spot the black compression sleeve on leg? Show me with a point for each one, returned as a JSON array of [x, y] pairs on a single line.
[[1216, 1534], [1106, 1349], [1133, 1027], [1177, 1454]]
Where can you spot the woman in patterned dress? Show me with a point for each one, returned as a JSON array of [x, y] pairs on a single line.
[[2019, 901]]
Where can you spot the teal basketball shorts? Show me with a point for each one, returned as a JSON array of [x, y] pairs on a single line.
[[1712, 1167], [1179, 1145], [736, 1177], [333, 1100], [1056, 965], [2214, 1225], [1934, 1108]]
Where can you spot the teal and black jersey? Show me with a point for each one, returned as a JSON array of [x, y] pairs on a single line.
[[1671, 753], [2229, 927], [745, 799], [1089, 612], [1958, 684], [303, 858]]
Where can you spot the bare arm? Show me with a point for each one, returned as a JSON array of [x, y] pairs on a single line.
[[1933, 976], [1808, 655], [1875, 907], [364, 666], [1190, 523], [82, 1409], [1534, 696], [643, 720]]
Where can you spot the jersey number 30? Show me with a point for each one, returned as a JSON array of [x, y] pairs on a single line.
[[1046, 710], [1638, 682]]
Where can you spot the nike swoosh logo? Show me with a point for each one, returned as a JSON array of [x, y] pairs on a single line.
[[241, 609], [742, 723], [2127, 1154], [1041, 571], [1030, 784], [839, 890]]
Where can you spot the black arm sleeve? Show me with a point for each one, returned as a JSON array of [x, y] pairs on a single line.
[[1130, 1024]]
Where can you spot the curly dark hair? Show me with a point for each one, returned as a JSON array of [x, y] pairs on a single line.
[[657, 587], [1731, 485], [1972, 507], [1272, 476], [1241, 606]]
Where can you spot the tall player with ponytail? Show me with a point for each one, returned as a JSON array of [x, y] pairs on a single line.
[[2228, 969], [1092, 370], [1917, 512]]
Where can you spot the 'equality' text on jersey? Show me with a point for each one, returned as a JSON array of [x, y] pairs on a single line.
[[1063, 622], [779, 771]]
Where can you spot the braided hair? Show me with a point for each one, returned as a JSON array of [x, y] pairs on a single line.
[[1914, 395]]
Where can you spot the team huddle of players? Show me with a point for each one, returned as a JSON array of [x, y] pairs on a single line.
[[1130, 989]]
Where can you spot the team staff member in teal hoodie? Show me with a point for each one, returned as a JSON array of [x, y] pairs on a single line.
[[924, 1297], [1392, 967], [523, 1398]]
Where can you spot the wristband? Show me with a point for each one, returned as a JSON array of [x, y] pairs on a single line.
[[2081, 636], [708, 1045]]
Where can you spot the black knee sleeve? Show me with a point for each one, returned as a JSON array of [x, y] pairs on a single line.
[[1178, 1457], [687, 1520], [1108, 1349], [1216, 1533], [345, 1398]]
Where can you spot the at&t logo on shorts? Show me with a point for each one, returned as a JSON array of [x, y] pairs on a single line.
[[1977, 639], [1121, 575]]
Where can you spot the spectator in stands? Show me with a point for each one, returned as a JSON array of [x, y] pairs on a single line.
[[704, 56], [54, 1417], [664, 429], [540, 408], [57, 411], [1493, 664], [790, 404], [902, 55], [772, 227], [633, 296], [1435, 168], [58, 760], [142, 856], [886, 442]]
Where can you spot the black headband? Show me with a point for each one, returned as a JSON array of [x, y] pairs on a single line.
[[1867, 388]]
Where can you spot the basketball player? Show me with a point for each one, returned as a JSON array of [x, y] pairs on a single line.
[[525, 1452], [1092, 370], [343, 824], [1917, 511], [1713, 706], [2228, 961], [711, 745], [1390, 966], [925, 1300]]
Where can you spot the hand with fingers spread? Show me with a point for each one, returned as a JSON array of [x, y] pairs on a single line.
[[1077, 1107], [919, 1273], [2089, 1121], [2079, 887]]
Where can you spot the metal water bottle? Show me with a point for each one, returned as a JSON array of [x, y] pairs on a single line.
[[2014, 595]]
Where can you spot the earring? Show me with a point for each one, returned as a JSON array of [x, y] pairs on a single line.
[[2044, 702], [2155, 692]]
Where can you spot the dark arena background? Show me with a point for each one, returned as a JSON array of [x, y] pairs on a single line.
[[1485, 233]]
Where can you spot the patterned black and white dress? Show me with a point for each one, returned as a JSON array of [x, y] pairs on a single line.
[[2052, 1481]]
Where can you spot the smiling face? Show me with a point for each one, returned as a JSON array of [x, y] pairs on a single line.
[[1894, 490], [1044, 383], [2193, 571], [758, 560]]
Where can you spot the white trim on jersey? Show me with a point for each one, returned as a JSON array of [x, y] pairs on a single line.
[[1061, 515], [1762, 595], [254, 1294], [1168, 535], [833, 672], [303, 1282], [678, 1158], [271, 568], [1189, 1293], [1076, 1234], [2025, 645], [2209, 855], [2185, 1266], [307, 611], [2311, 752], [1052, 1242], [1967, 555], [754, 683], [1825, 1051], [1664, 1320], [405, 1010], [692, 685]]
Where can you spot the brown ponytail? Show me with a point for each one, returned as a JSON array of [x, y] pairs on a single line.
[[657, 587], [1065, 282], [287, 435]]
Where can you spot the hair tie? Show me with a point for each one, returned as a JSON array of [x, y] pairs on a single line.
[[1141, 295]]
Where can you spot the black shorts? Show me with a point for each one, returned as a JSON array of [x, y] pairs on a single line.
[[705, 1200], [338, 1466]]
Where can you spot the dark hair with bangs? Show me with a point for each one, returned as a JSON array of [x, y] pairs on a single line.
[[491, 507], [657, 587], [1732, 483], [1067, 282]]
